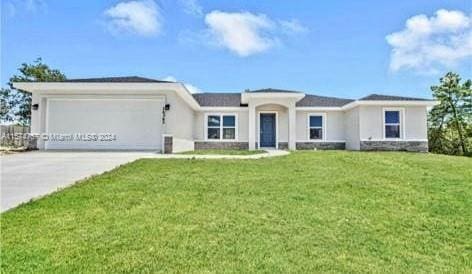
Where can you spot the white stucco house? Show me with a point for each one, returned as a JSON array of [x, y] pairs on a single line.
[[135, 113]]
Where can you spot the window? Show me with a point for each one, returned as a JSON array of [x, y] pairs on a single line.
[[221, 127], [392, 123], [214, 123], [316, 127]]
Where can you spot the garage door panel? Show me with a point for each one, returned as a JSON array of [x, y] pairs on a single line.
[[136, 123]]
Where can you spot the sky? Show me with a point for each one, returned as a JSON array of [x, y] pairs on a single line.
[[334, 48]]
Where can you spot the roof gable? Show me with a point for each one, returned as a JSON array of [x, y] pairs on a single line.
[[322, 101], [272, 90], [381, 97], [120, 79], [218, 99]]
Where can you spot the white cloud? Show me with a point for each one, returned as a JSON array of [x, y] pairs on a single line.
[[427, 44], [169, 78], [35, 5], [14, 7], [245, 33], [191, 88], [191, 7], [139, 17], [292, 26]]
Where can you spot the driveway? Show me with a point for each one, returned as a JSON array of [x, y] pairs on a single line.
[[30, 175]]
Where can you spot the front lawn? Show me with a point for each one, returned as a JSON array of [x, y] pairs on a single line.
[[306, 212], [223, 152]]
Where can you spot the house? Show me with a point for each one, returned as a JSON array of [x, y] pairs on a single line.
[[136, 113]]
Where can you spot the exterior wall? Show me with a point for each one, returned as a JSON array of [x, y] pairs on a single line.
[[284, 106], [414, 123], [414, 129], [199, 125], [334, 128], [179, 119], [36, 114], [351, 129], [182, 145], [370, 122], [38, 117]]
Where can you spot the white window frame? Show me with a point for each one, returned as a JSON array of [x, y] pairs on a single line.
[[323, 126], [401, 124], [221, 114]]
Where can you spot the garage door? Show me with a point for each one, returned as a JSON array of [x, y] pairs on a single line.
[[132, 124]]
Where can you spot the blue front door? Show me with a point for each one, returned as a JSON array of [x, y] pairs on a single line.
[[267, 130]]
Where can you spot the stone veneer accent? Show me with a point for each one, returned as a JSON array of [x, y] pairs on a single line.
[[283, 145], [416, 146], [32, 143], [199, 145], [321, 145], [168, 144]]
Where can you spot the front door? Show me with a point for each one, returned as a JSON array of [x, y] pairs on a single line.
[[267, 130]]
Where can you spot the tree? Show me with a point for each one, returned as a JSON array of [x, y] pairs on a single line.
[[16, 104], [451, 120], [8, 99]]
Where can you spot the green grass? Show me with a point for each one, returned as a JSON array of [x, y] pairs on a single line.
[[306, 212], [223, 152]]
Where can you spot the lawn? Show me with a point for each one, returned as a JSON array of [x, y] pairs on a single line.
[[306, 212], [223, 152]]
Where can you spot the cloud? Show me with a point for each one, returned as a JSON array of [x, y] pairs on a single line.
[[169, 78], [245, 33], [242, 33], [292, 26], [429, 43], [191, 88], [35, 5], [191, 7], [138, 17], [14, 7]]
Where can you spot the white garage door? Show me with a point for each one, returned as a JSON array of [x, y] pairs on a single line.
[[133, 124]]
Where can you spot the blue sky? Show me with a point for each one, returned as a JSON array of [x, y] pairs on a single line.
[[335, 48]]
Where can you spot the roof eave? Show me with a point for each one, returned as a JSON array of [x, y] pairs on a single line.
[[245, 96], [390, 103], [53, 87]]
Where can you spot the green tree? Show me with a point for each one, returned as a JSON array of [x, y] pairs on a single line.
[[450, 120], [8, 99], [16, 104]]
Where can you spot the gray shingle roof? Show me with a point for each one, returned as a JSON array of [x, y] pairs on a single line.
[[274, 90], [380, 97], [322, 101], [218, 99], [122, 79], [234, 100]]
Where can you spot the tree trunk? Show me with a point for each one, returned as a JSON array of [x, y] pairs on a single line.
[[459, 128]]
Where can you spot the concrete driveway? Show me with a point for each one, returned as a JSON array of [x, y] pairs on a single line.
[[30, 175]]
